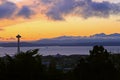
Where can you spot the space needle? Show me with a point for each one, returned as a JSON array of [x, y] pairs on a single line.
[[18, 44]]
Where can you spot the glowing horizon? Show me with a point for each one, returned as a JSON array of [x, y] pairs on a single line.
[[38, 19]]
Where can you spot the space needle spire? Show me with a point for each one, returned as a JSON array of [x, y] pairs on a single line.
[[18, 44]]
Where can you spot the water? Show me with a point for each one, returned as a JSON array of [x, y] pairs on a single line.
[[53, 50]]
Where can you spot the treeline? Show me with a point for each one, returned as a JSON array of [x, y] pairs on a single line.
[[99, 65]]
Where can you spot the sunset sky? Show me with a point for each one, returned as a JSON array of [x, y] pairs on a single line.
[[38, 19]]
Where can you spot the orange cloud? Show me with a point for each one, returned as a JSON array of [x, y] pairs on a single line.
[[13, 13], [20, 11]]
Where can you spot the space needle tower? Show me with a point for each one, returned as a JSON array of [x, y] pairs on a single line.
[[18, 44]]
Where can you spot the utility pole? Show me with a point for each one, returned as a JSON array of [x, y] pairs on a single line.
[[18, 44]]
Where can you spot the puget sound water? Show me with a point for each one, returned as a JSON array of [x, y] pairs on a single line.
[[53, 50]]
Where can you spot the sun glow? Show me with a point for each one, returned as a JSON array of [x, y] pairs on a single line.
[[44, 19]]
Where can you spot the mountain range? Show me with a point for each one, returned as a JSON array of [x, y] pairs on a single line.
[[96, 39]]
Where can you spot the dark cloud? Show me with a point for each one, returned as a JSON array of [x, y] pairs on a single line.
[[60, 9], [103, 9], [7, 9], [96, 9], [25, 11], [84, 8]]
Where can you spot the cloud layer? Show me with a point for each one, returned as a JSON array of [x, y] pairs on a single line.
[[57, 10], [83, 8], [25, 12], [9, 10]]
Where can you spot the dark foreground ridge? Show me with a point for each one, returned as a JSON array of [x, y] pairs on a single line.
[[99, 65]]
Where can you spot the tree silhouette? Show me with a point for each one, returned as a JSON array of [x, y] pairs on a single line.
[[22, 66], [53, 73], [98, 66]]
